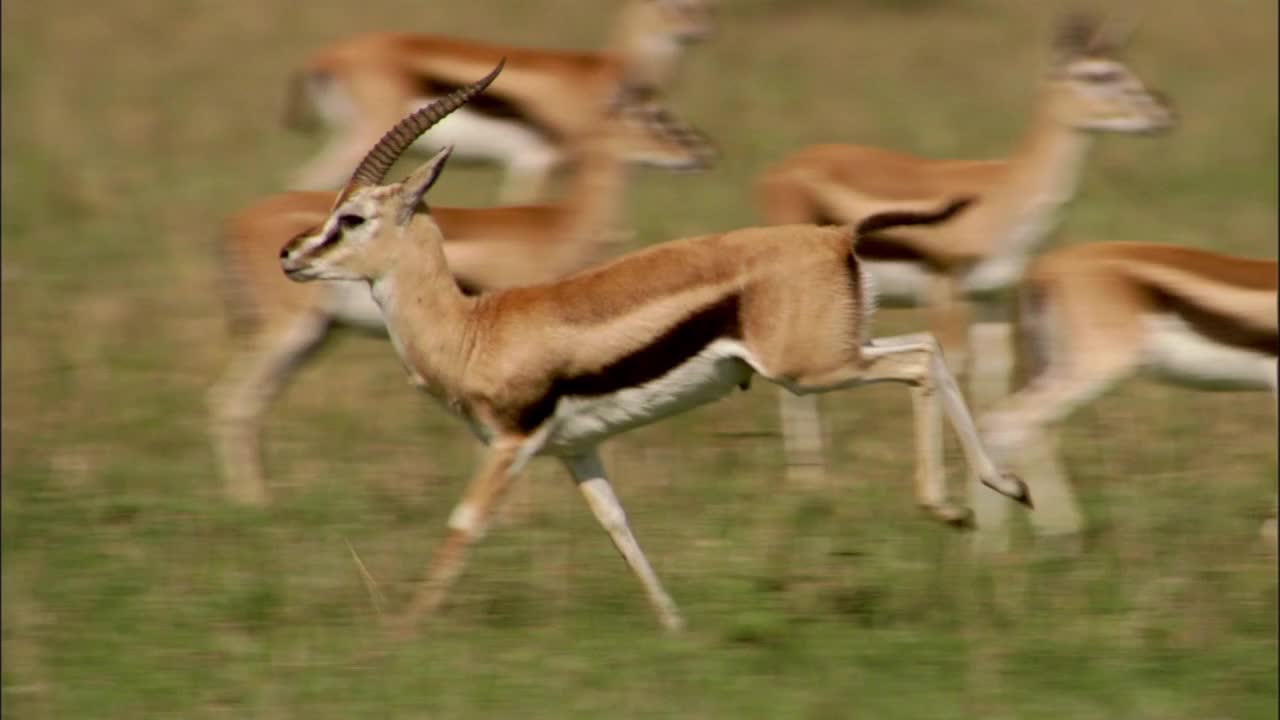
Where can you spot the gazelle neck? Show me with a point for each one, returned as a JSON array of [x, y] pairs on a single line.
[[593, 199], [647, 58], [425, 312], [1043, 175]]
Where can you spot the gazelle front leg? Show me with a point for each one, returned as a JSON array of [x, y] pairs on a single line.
[[1019, 430], [802, 439], [588, 473], [467, 523], [253, 378], [989, 381]]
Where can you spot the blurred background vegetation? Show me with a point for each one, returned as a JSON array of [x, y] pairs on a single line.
[[130, 590]]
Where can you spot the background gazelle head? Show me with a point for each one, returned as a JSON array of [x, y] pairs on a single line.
[[682, 21], [638, 127], [345, 247], [1094, 90]]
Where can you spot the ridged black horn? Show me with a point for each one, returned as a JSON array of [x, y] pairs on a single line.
[[373, 168]]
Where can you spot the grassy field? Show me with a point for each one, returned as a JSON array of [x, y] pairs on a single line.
[[130, 590]]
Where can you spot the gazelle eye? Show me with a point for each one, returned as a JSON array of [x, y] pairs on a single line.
[[346, 222]]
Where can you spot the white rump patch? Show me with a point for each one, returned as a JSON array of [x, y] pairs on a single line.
[[898, 283]]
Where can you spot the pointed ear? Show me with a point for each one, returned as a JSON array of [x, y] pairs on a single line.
[[1072, 36], [414, 187], [1112, 36]]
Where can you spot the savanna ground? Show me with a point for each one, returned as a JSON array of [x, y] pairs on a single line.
[[131, 590]]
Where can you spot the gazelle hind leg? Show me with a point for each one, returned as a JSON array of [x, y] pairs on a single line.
[[253, 379], [954, 406], [588, 473], [916, 360]]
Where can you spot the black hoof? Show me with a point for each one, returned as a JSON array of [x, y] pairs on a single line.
[[1023, 493], [955, 516], [962, 519]]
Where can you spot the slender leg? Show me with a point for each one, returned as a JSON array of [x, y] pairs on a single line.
[[467, 524], [949, 316], [802, 440], [990, 372], [1058, 515], [922, 350], [916, 360], [931, 491], [588, 473], [253, 379], [1018, 428]]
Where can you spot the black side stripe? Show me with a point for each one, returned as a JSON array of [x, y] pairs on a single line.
[[680, 342], [490, 105], [1217, 326]]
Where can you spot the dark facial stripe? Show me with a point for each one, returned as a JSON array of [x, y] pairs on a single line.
[[335, 234], [489, 104], [295, 241], [679, 343], [1216, 326]]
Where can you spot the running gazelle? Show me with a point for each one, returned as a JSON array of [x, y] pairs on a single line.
[[981, 254], [359, 86], [1091, 315], [555, 369], [280, 323]]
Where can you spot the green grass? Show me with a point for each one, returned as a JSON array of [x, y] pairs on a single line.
[[130, 590]]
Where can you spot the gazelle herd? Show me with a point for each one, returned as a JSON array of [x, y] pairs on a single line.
[[515, 320], [528, 121]]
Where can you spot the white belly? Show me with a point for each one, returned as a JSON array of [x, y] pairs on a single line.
[[475, 136], [1176, 352], [906, 284], [898, 284], [351, 303], [995, 274], [581, 422]]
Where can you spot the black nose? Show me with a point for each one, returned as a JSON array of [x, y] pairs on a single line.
[[284, 253]]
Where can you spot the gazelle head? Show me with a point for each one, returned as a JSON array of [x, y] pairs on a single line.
[[639, 129], [1094, 90], [683, 21], [358, 239]]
